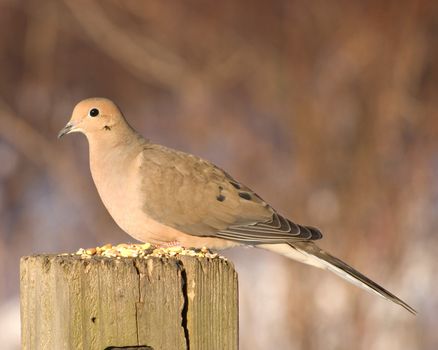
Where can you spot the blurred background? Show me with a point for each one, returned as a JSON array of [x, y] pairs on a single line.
[[326, 108]]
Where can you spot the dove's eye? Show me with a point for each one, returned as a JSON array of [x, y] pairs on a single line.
[[94, 112]]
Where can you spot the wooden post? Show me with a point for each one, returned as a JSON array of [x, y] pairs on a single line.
[[137, 303]]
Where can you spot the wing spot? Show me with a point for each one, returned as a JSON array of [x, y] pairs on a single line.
[[235, 185], [220, 198], [245, 195]]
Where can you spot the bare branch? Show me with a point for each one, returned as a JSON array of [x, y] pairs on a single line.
[[138, 55]]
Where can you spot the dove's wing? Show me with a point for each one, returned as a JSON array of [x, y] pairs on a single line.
[[196, 197]]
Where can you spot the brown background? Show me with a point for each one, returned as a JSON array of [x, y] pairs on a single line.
[[326, 108]]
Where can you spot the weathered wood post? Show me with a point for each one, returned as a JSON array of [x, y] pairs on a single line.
[[139, 303]]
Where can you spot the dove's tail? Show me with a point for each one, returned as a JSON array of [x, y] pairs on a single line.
[[309, 253]]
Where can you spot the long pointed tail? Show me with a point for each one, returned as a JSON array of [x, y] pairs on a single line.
[[310, 253]]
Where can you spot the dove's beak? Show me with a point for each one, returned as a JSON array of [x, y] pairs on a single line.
[[67, 129]]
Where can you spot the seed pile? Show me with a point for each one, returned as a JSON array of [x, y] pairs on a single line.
[[143, 250]]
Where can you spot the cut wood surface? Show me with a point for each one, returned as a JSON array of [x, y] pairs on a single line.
[[144, 303]]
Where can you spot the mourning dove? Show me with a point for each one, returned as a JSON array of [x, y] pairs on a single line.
[[163, 196]]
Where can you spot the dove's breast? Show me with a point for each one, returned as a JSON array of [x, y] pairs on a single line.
[[120, 194]]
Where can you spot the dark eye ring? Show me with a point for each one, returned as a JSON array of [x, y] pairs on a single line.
[[94, 112]]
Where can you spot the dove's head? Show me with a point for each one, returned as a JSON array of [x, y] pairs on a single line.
[[94, 115]]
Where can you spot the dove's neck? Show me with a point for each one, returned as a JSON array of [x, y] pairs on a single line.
[[113, 138], [110, 149]]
